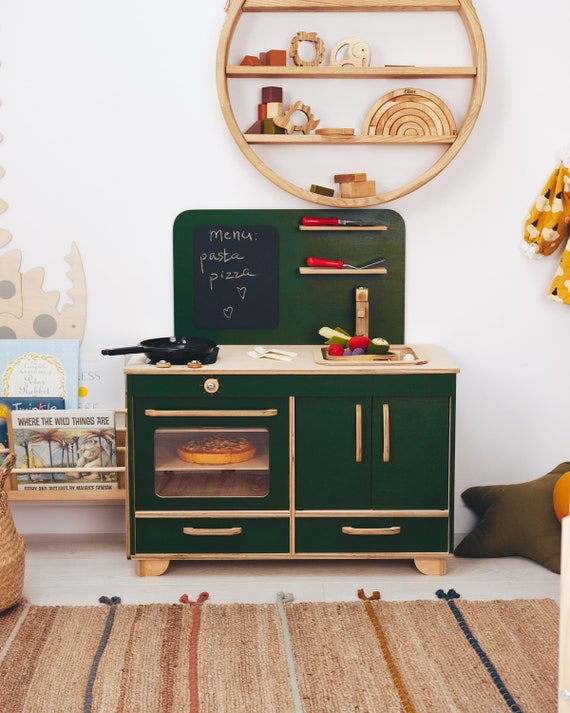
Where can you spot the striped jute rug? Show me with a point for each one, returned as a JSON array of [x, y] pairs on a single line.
[[365, 656]]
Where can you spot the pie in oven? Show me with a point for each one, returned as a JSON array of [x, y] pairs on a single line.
[[219, 449]]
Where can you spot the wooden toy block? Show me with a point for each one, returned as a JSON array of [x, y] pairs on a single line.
[[250, 61], [269, 127], [358, 189], [263, 57], [261, 112], [273, 109], [322, 190], [276, 58], [349, 177], [256, 128], [271, 94]]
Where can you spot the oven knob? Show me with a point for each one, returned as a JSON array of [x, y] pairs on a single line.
[[211, 386]]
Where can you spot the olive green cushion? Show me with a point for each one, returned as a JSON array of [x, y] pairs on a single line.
[[516, 519]]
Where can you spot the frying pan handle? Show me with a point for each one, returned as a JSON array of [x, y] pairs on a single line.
[[124, 350]]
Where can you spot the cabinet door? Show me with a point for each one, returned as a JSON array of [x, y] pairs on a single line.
[[412, 458], [332, 452]]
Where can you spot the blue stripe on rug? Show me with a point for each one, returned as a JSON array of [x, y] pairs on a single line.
[[112, 602], [485, 660]]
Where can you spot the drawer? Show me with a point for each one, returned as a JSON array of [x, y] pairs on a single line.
[[370, 534], [211, 535]]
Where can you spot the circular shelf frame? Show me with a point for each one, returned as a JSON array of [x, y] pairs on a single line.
[[477, 73]]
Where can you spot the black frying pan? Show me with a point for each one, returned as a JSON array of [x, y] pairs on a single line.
[[176, 350]]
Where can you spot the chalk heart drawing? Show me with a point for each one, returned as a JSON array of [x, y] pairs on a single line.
[[228, 311], [241, 292]]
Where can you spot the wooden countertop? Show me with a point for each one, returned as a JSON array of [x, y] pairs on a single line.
[[234, 359]]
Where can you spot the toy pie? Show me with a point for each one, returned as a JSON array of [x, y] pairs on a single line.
[[216, 450]]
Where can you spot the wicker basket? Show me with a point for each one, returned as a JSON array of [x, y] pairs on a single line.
[[12, 547]]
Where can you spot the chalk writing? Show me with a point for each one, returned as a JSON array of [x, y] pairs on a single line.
[[236, 277]]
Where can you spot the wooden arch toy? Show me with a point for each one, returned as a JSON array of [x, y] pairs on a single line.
[[409, 112]]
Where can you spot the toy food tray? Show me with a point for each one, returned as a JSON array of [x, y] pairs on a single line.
[[399, 355]]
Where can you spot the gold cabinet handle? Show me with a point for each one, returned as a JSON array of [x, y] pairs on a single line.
[[386, 428], [211, 530], [347, 530], [358, 428], [156, 413]]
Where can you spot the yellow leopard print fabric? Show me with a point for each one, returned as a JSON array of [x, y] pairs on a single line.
[[548, 225]]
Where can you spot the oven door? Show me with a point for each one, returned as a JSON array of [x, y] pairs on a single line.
[[233, 455]]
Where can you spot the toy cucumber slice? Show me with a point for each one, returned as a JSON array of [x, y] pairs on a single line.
[[333, 336], [378, 346]]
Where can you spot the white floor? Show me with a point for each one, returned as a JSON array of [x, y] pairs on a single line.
[[70, 570]]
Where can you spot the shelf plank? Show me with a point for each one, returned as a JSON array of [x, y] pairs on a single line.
[[360, 228], [46, 494], [331, 139], [348, 5], [328, 72], [344, 271]]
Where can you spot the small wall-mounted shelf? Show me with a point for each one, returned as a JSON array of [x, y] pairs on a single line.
[[392, 72], [118, 493], [343, 271], [312, 139]]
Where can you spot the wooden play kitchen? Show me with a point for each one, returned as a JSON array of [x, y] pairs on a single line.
[[280, 452]]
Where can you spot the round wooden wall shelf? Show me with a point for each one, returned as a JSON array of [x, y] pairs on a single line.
[[406, 116]]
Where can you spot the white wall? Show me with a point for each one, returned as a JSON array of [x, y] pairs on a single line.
[[112, 127]]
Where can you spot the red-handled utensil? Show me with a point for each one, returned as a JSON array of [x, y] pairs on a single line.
[[339, 264], [309, 220], [321, 262]]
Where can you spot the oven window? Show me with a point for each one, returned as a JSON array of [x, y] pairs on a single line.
[[211, 462]]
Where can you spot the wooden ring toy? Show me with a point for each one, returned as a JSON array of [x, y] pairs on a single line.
[[284, 120], [307, 37], [357, 54]]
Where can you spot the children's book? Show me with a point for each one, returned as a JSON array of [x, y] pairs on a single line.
[[64, 449], [40, 368], [16, 403]]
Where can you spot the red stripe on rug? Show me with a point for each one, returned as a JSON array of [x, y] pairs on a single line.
[[193, 648]]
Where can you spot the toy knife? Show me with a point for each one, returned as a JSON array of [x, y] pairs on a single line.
[[311, 221], [340, 264]]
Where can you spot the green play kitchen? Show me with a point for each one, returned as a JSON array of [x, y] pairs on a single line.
[[308, 428]]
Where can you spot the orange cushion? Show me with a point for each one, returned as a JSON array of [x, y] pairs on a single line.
[[561, 496]]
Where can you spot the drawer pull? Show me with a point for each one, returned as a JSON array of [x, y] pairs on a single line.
[[347, 530], [155, 413], [211, 530], [386, 427], [358, 427]]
